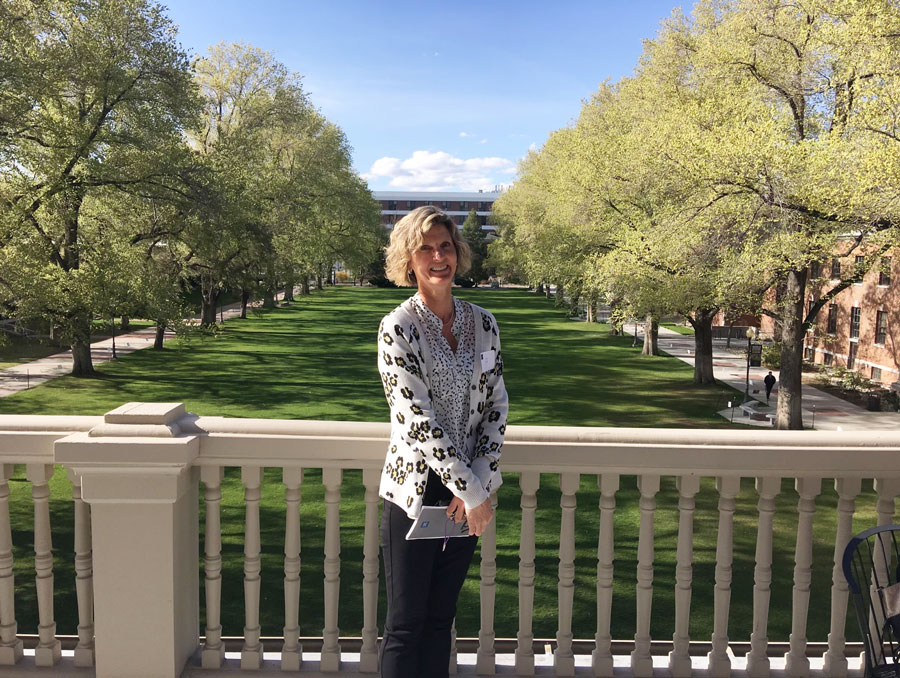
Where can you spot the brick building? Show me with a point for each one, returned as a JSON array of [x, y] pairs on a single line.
[[396, 204], [860, 328]]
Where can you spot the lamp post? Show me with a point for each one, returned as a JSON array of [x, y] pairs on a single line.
[[750, 334]]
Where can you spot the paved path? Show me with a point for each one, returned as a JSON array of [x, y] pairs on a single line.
[[821, 410], [30, 374]]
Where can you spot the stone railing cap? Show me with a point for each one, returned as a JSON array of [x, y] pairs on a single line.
[[145, 413]]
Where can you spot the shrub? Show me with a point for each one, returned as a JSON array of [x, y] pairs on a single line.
[[771, 355]]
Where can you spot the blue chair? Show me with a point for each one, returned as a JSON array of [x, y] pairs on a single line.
[[872, 569]]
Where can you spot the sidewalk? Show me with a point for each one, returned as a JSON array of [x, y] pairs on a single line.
[[31, 374], [820, 410]]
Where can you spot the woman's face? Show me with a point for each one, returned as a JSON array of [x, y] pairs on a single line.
[[434, 263]]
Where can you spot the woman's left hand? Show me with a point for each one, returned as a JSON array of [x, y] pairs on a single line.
[[479, 517]]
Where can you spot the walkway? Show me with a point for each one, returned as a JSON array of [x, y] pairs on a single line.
[[820, 410], [36, 372]]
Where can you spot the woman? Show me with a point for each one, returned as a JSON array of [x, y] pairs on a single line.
[[440, 364]]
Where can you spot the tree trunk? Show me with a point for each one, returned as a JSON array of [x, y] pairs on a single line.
[[651, 336], [125, 324], [728, 340], [82, 366], [304, 285], [589, 312], [160, 335], [539, 289], [289, 290], [547, 290], [208, 307], [703, 346], [245, 300], [788, 412], [560, 296], [319, 282], [269, 297]]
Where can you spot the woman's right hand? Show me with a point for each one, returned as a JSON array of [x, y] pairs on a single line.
[[478, 517]]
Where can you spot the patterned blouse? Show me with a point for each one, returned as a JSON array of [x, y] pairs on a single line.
[[451, 371]]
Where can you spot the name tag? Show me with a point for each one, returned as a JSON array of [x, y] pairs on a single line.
[[488, 360]]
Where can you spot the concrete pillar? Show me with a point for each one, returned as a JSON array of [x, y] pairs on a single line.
[[137, 475]]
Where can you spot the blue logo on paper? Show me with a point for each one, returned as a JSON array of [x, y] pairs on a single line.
[[425, 524]]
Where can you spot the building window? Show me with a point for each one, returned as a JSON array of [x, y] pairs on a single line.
[[483, 206], [392, 204], [880, 327], [832, 319], [884, 277], [835, 269], [463, 205], [410, 204], [809, 354], [829, 359], [445, 205], [815, 270], [876, 373], [855, 314], [851, 357]]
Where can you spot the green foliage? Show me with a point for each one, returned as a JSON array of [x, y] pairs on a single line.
[[771, 355], [473, 234]]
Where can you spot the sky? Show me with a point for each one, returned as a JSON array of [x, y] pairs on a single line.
[[437, 96]]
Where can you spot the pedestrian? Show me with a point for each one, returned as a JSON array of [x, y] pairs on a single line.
[[769, 381], [440, 364]]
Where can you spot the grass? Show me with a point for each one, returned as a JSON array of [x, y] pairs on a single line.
[[681, 329], [316, 360]]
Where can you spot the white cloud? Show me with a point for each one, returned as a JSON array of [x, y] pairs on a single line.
[[483, 141], [440, 171], [464, 134]]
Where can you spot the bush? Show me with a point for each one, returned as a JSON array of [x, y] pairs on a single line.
[[892, 399], [771, 355], [380, 281], [465, 282]]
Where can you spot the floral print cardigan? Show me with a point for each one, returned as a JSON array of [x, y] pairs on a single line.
[[418, 440]]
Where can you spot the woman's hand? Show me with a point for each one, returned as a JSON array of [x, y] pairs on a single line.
[[479, 517]]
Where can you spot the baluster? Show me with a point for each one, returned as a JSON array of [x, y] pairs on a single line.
[[835, 661], [679, 657], [641, 661], [331, 650], [485, 664], [529, 481], [758, 658], [48, 651], [796, 661], [84, 576], [718, 661], [887, 489], [291, 650], [213, 649], [11, 647], [368, 654], [252, 652], [564, 658], [601, 657]]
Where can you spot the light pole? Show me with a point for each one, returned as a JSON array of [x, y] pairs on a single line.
[[750, 334]]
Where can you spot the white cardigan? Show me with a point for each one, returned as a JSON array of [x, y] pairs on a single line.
[[417, 438]]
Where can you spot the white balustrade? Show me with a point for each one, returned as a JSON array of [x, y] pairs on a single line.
[[84, 577], [48, 650], [529, 481], [758, 659], [213, 649], [796, 661], [601, 658], [641, 661], [679, 657], [252, 652], [291, 650], [11, 647], [368, 653], [136, 471]]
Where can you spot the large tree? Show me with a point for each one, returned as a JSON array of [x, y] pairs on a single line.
[[96, 95]]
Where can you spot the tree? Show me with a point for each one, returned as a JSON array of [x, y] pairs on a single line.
[[95, 97], [473, 234]]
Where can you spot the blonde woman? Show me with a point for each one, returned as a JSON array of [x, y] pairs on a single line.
[[440, 363]]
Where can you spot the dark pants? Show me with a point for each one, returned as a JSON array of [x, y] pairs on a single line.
[[423, 584]]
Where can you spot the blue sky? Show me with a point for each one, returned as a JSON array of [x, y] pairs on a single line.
[[437, 95]]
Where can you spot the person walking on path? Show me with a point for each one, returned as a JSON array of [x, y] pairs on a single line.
[[442, 372], [769, 381]]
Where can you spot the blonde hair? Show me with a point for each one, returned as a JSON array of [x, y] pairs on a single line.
[[407, 237]]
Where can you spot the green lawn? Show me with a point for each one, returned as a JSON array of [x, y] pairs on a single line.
[[316, 359], [681, 329]]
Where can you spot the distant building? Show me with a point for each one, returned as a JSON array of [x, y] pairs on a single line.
[[860, 328], [396, 204]]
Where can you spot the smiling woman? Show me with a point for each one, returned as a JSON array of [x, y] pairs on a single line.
[[440, 365]]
